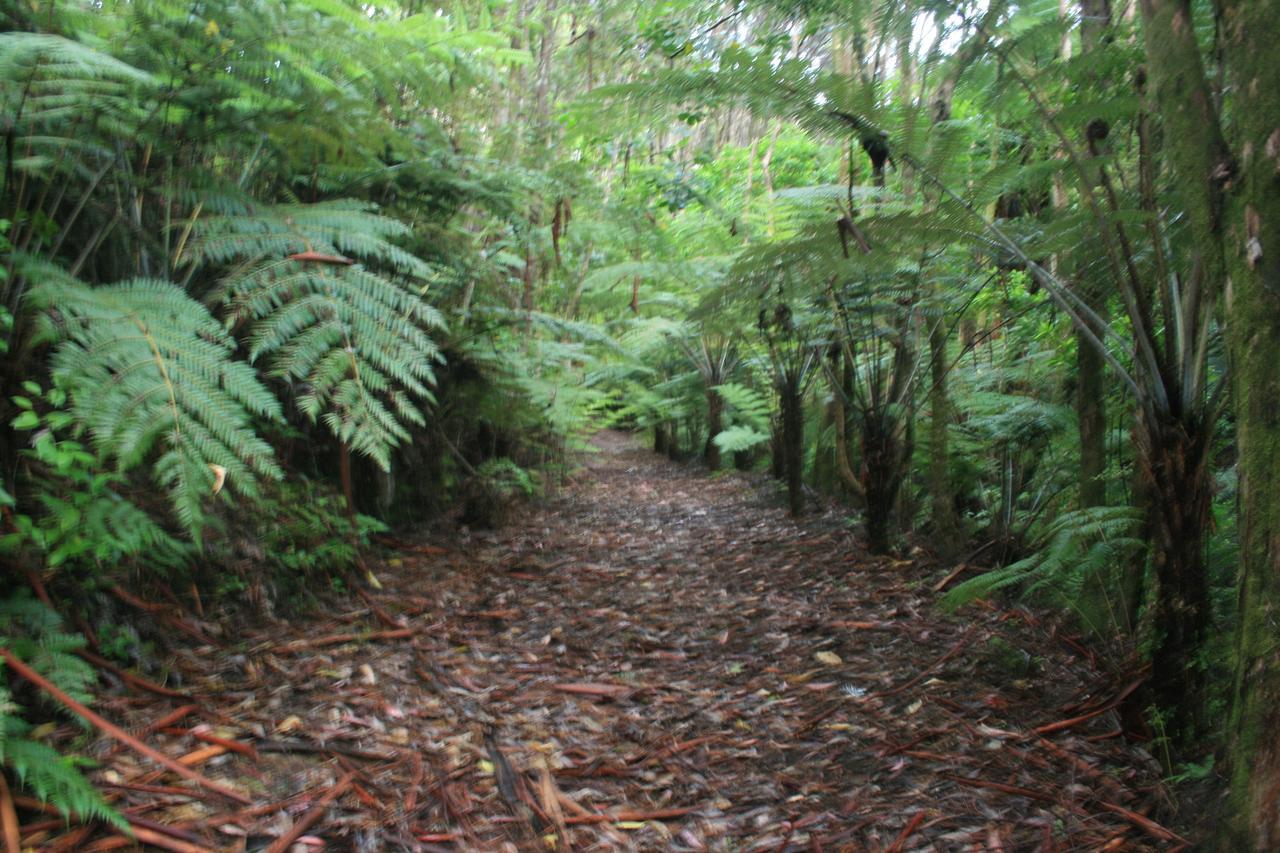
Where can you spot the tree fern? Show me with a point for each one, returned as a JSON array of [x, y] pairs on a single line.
[[148, 367], [355, 341], [1074, 547], [750, 413]]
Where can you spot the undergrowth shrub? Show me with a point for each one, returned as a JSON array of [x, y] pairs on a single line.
[[294, 541], [34, 633], [494, 491]]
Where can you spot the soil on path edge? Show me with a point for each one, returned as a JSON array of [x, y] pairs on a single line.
[[654, 660]]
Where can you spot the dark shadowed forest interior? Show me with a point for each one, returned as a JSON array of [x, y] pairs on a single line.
[[549, 425]]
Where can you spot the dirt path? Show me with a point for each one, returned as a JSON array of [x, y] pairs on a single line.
[[661, 660]]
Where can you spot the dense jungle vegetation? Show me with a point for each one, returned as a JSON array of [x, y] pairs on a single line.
[[1001, 278]]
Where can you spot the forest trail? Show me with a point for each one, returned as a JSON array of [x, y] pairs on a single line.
[[655, 659]]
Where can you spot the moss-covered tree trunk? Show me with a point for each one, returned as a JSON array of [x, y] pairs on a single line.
[[1250, 31], [1232, 197]]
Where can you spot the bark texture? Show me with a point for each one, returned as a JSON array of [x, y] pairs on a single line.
[[1250, 31]]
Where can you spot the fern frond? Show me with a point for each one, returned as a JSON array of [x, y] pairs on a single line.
[[148, 367], [1073, 547], [56, 779]]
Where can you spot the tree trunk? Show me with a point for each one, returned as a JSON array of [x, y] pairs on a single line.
[[793, 444], [879, 480], [660, 438], [946, 522], [1251, 29], [777, 455], [1091, 412], [1091, 417], [1173, 461], [715, 424], [673, 440]]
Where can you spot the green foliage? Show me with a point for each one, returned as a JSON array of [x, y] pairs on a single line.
[[356, 342], [34, 633], [296, 535], [147, 367], [84, 519], [505, 477], [749, 413], [1073, 549]]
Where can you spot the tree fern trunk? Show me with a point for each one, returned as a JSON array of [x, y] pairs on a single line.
[[715, 423], [880, 479], [660, 438], [793, 443], [1173, 460]]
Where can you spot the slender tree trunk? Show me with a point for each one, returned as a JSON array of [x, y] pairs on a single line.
[[673, 440], [1091, 416], [840, 417], [715, 424], [1091, 413], [879, 480], [660, 438], [777, 455], [1251, 30], [942, 499], [793, 443]]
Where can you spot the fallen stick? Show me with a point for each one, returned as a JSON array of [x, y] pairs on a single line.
[[174, 832], [129, 678], [419, 771], [950, 653], [899, 843], [174, 716], [111, 729], [579, 811], [628, 816], [1144, 823], [290, 746], [149, 836], [163, 612], [226, 743], [1012, 790], [547, 793], [383, 616], [316, 812], [338, 639], [9, 817], [71, 842], [952, 575], [203, 754], [612, 691], [1111, 705]]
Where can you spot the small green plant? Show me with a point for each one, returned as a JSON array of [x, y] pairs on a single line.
[[507, 477], [296, 535], [34, 633], [81, 519], [1192, 772], [494, 489], [1073, 549]]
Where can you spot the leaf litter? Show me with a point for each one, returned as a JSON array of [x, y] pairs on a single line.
[[655, 659]]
